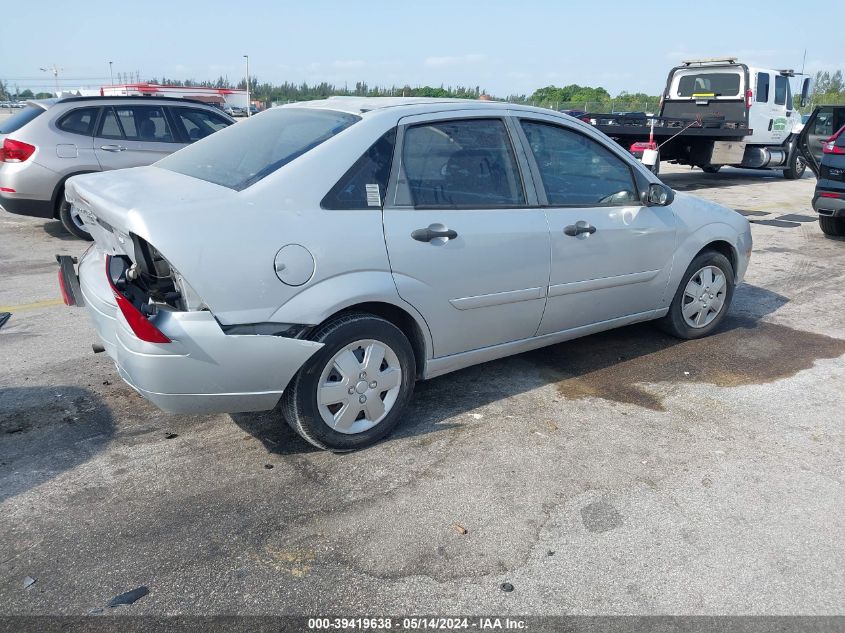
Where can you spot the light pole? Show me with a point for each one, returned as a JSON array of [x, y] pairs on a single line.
[[248, 101], [55, 70], [111, 74]]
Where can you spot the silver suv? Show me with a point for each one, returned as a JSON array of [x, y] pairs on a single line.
[[48, 141]]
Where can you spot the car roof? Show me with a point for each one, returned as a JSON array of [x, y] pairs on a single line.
[[363, 105]]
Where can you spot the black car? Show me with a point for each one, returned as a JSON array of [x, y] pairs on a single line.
[[822, 142]]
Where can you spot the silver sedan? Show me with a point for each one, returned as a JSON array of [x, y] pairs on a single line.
[[330, 254]]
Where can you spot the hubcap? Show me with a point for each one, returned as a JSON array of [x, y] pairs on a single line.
[[359, 386], [77, 220], [704, 297]]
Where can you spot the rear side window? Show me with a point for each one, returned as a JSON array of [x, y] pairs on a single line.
[[243, 154], [19, 119], [576, 170], [79, 121], [762, 87], [781, 88], [364, 185], [709, 84], [136, 123], [461, 165]]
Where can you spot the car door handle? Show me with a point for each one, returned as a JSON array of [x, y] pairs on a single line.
[[427, 234], [113, 148], [576, 229]]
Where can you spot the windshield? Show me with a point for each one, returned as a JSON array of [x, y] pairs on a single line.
[[19, 119], [708, 84], [244, 153]]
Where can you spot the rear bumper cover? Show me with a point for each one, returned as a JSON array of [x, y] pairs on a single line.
[[831, 207], [202, 369], [26, 206]]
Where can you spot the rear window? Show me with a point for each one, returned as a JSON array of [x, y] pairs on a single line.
[[710, 84], [19, 119], [243, 154]]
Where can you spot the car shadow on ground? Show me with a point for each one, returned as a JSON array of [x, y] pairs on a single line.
[[45, 431], [54, 228], [619, 365]]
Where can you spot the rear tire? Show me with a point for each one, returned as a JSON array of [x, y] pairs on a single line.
[[702, 299], [711, 169], [71, 221], [834, 227], [352, 392]]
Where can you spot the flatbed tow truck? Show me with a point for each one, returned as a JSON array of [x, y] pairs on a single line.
[[716, 112]]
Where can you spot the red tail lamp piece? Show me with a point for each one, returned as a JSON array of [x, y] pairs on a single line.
[[141, 325]]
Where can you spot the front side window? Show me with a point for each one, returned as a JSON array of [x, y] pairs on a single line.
[[781, 88], [576, 170], [80, 121], [364, 185], [243, 154], [461, 164], [762, 87], [709, 84], [199, 123]]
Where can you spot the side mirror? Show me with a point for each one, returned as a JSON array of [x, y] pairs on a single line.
[[658, 195], [805, 92]]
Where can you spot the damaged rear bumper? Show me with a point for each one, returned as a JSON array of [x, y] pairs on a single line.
[[202, 369]]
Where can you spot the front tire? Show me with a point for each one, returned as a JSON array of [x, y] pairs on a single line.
[[71, 221], [835, 227], [352, 392], [703, 297]]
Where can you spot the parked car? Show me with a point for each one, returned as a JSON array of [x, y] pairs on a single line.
[[331, 253], [238, 111], [51, 140], [822, 142], [228, 109]]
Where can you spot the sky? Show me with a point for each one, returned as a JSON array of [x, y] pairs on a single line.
[[505, 47]]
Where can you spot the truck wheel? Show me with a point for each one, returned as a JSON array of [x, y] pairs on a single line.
[[796, 166], [711, 169], [834, 227], [352, 392], [702, 298], [72, 221]]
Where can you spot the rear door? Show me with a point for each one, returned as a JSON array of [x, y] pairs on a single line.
[[133, 136], [468, 245], [822, 124], [611, 255]]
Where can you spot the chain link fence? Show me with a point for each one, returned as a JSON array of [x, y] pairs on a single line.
[[649, 106]]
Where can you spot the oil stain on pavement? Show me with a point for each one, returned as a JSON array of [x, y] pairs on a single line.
[[615, 365]]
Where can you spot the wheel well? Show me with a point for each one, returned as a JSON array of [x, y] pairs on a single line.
[[401, 319], [58, 191], [725, 249]]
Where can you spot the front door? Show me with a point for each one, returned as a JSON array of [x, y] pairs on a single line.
[[468, 246], [823, 123], [611, 255], [132, 136]]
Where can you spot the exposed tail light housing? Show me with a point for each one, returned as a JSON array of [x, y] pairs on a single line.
[[15, 151], [749, 98], [829, 194], [830, 146], [140, 324]]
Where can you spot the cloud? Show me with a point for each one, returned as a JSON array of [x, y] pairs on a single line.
[[347, 64], [454, 60]]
